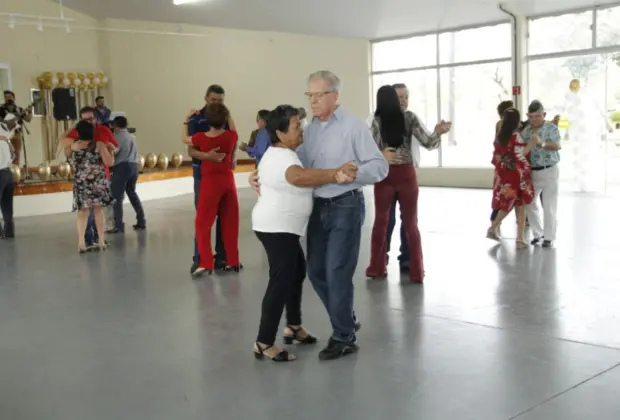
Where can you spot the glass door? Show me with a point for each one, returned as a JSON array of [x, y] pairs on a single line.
[[612, 123], [583, 122]]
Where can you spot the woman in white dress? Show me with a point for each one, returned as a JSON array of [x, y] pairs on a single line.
[[279, 219]]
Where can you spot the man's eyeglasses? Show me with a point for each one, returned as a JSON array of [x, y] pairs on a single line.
[[318, 95]]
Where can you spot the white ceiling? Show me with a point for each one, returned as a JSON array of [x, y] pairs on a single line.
[[369, 19]]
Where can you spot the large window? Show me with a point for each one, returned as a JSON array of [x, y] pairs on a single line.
[[404, 53], [608, 27], [466, 45], [597, 103], [422, 86], [560, 33], [467, 93], [469, 98]]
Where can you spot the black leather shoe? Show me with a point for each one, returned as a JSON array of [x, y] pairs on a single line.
[[113, 231], [219, 265], [536, 241], [139, 227], [194, 267], [547, 244], [337, 349]]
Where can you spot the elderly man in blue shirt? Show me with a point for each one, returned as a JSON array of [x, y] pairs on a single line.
[[545, 159], [333, 138]]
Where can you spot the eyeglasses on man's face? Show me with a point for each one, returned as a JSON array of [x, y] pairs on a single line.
[[317, 95]]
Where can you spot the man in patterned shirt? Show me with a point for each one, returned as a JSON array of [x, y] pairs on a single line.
[[544, 158]]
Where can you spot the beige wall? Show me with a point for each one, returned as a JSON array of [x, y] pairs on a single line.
[[157, 75], [31, 52], [157, 78]]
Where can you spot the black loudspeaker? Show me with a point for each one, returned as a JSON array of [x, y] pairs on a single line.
[[65, 107]]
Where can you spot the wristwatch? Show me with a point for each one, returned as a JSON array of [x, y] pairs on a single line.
[[543, 144]]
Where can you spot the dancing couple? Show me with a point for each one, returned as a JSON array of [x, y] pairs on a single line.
[[315, 184]]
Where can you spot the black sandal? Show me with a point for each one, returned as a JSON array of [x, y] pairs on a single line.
[[283, 356], [290, 339]]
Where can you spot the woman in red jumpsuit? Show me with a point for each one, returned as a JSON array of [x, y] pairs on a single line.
[[218, 192], [512, 185]]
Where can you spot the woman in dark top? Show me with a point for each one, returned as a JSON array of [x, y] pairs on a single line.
[[218, 192], [91, 189], [393, 133]]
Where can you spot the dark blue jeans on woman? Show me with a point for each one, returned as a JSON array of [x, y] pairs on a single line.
[[91, 237], [334, 234]]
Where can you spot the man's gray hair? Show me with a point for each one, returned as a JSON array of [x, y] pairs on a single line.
[[535, 106], [329, 77]]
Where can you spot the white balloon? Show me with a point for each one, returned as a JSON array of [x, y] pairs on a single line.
[[77, 82], [96, 81], [66, 82], [55, 81], [105, 79], [87, 81]]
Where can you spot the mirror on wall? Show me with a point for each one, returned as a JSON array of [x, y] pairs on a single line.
[[5, 77]]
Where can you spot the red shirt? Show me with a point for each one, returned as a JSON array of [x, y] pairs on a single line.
[[102, 133], [225, 141]]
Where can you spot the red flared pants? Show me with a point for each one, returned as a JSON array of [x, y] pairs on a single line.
[[218, 195], [401, 180]]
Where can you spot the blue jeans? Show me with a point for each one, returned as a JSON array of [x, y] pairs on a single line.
[[220, 252], [91, 237], [334, 234], [124, 179], [404, 245]]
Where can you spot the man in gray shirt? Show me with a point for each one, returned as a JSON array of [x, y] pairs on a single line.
[[125, 177], [333, 138]]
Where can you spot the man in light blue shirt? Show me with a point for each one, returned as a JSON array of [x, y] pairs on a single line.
[[333, 138], [545, 159]]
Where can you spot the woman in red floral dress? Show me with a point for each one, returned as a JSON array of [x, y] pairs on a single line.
[[512, 186]]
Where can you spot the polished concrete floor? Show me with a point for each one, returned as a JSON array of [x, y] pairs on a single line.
[[494, 334]]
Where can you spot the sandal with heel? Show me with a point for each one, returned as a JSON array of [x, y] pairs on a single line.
[[282, 356], [297, 338]]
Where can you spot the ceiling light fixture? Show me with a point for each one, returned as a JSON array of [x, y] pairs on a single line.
[[183, 2], [68, 28], [11, 22], [40, 25]]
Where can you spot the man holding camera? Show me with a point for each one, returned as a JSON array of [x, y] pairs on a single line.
[[11, 115]]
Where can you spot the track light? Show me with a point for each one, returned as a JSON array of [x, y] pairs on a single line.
[[67, 28], [11, 22], [182, 2], [40, 25]]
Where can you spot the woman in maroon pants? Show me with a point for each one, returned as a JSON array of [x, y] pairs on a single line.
[[393, 131]]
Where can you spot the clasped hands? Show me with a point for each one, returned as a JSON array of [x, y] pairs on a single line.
[[346, 174]]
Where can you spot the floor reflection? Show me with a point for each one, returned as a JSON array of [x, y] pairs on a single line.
[[127, 333]]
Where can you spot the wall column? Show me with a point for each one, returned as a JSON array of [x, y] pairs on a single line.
[[519, 62]]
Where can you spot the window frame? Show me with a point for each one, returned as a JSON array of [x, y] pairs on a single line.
[[437, 66]]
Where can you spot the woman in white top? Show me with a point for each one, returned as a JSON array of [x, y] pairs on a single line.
[[7, 186], [279, 219]]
